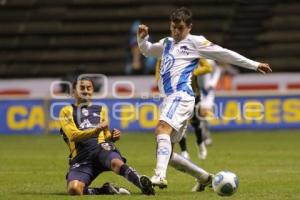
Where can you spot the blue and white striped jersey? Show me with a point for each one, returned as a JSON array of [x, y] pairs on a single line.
[[178, 60]]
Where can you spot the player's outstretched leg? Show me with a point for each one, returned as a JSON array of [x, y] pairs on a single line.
[[142, 182], [203, 177]]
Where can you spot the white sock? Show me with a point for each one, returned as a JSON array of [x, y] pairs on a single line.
[[184, 165], [163, 153]]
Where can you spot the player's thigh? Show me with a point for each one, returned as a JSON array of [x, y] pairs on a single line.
[[107, 152], [163, 127]]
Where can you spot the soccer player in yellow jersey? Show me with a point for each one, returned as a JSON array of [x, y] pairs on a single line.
[[85, 130]]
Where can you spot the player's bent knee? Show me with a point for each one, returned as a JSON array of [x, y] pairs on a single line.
[[116, 165], [164, 128], [75, 187]]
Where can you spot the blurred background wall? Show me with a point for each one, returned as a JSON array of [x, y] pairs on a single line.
[[45, 41], [50, 38]]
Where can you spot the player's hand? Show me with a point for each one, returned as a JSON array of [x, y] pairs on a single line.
[[143, 31], [115, 134], [264, 68]]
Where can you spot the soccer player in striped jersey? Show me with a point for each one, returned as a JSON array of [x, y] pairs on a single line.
[[84, 127], [180, 54]]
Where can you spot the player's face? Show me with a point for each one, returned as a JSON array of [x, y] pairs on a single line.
[[179, 31], [84, 91]]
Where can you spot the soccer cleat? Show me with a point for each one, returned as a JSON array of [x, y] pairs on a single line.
[[147, 187], [200, 186], [112, 189], [159, 181], [185, 154], [208, 141], [202, 151]]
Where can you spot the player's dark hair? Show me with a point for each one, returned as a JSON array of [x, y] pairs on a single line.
[[181, 14], [78, 79]]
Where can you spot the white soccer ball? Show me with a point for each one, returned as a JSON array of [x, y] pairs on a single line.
[[225, 183]]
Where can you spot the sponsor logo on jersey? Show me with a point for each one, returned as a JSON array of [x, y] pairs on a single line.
[[183, 50], [96, 115], [85, 112], [86, 124]]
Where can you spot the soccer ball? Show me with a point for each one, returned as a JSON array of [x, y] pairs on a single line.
[[225, 183]]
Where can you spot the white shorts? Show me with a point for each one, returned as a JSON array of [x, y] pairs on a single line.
[[207, 99], [176, 109]]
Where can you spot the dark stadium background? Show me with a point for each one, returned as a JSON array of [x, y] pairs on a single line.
[[43, 41]]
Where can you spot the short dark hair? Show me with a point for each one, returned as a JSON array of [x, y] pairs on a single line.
[[181, 14], [78, 79]]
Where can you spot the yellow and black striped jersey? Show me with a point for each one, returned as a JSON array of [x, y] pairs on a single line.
[[78, 130]]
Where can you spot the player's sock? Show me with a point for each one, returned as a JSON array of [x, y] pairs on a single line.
[[163, 153], [184, 165], [182, 144], [199, 133], [131, 175]]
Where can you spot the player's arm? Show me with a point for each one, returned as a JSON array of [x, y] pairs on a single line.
[[211, 51], [107, 135], [146, 47], [70, 129], [203, 68]]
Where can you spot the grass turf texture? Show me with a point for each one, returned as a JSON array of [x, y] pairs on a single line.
[[267, 163]]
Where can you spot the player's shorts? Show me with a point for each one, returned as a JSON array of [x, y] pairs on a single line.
[[176, 109], [99, 162], [207, 98]]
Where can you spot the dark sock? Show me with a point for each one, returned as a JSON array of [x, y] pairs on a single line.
[[131, 175], [182, 144], [198, 132]]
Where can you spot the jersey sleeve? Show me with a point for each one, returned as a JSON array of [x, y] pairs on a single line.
[[69, 127], [203, 67], [157, 70], [207, 49], [150, 49]]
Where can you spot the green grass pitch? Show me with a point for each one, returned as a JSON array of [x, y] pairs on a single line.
[[267, 164]]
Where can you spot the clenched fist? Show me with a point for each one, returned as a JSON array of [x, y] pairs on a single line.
[[143, 31]]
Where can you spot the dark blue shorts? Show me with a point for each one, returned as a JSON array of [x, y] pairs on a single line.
[[99, 162]]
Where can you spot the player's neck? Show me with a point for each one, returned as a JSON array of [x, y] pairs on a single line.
[[83, 102], [183, 38]]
